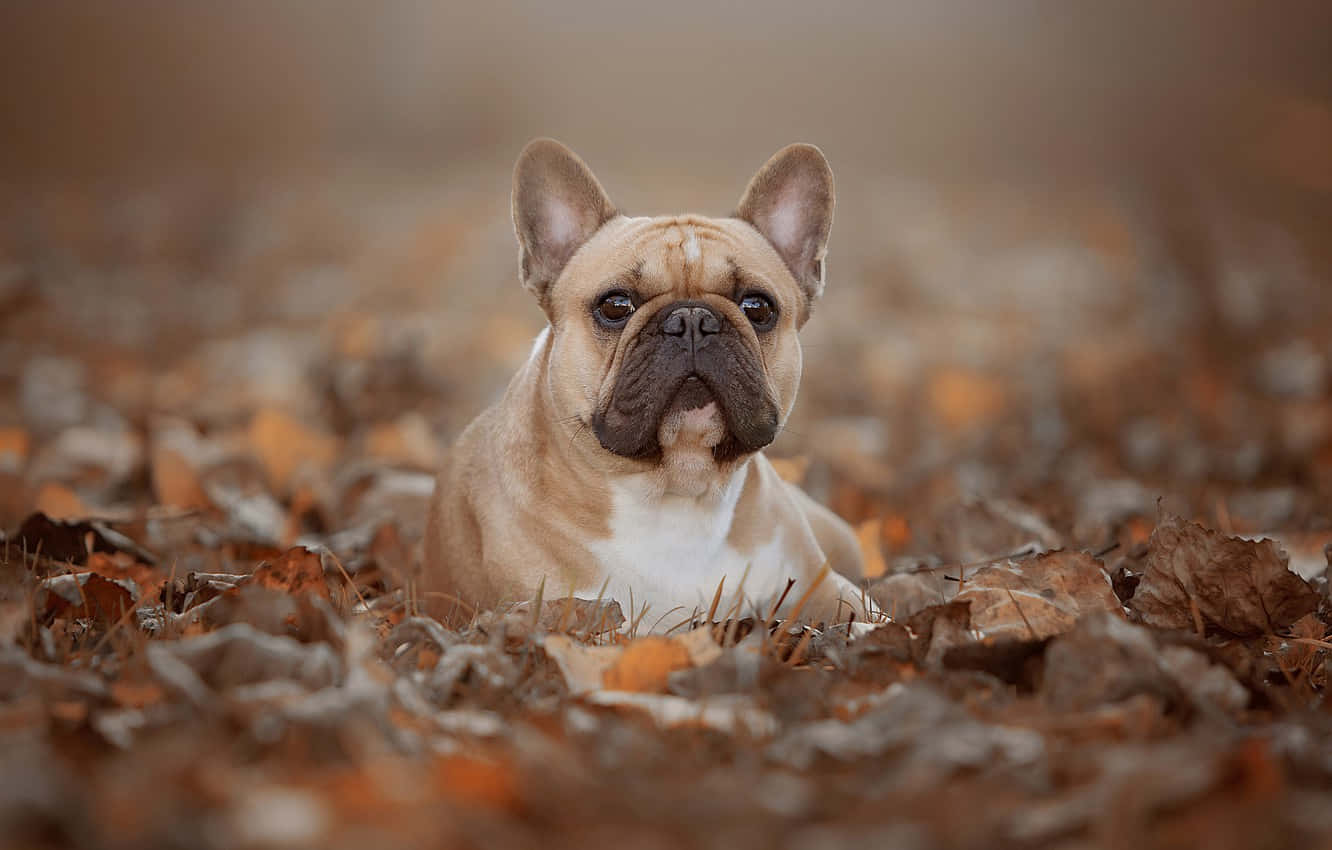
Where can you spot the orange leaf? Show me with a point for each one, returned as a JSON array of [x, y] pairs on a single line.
[[175, 481], [59, 502], [299, 570], [645, 664], [285, 445]]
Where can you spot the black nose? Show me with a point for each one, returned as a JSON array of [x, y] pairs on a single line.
[[692, 324]]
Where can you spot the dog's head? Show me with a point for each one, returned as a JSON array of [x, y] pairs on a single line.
[[674, 338]]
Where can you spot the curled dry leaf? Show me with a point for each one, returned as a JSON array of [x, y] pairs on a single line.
[[1039, 597], [1235, 585]]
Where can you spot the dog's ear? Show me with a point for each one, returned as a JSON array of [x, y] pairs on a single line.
[[790, 201], [557, 206]]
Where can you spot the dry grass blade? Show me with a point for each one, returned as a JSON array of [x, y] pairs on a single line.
[[716, 600], [809, 593], [345, 576]]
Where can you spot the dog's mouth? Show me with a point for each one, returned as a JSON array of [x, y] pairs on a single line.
[[710, 391], [692, 395], [693, 419]]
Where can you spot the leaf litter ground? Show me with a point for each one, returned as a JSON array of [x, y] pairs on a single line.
[[208, 636]]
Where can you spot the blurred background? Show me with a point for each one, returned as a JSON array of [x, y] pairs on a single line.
[[1080, 260]]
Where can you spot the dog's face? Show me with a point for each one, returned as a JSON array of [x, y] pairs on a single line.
[[673, 339]]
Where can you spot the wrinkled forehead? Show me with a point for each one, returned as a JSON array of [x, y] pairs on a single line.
[[684, 256]]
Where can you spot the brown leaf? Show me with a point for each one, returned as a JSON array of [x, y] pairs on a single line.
[[86, 595], [73, 541], [298, 571], [939, 628], [1040, 597], [1236, 585]]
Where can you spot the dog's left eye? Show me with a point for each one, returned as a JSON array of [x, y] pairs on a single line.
[[614, 309], [759, 310]]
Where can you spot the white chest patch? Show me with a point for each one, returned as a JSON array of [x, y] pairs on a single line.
[[672, 551]]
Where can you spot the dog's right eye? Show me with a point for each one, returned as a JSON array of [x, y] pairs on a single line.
[[614, 310]]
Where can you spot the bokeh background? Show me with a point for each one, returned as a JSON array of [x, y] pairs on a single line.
[[1081, 255]]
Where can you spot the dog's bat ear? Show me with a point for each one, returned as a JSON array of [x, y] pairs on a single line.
[[557, 206], [790, 201]]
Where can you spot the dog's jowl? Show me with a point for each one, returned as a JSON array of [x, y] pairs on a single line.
[[627, 451]]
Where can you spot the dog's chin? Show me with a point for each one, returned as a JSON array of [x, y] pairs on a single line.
[[687, 437]]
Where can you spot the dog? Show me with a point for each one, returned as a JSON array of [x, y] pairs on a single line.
[[625, 457]]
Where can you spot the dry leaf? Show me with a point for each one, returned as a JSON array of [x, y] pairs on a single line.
[[938, 629], [175, 482], [1236, 585], [645, 665], [299, 570], [641, 665], [581, 666], [86, 595], [285, 445], [60, 502], [1039, 597]]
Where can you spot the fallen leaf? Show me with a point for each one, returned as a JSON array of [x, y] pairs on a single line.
[[60, 502], [1038, 597], [1239, 586], [645, 665], [938, 629], [298, 571], [72, 541], [581, 666], [284, 446], [901, 595], [175, 482], [642, 665], [85, 595]]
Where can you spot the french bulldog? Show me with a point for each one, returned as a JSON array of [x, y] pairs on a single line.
[[625, 457]]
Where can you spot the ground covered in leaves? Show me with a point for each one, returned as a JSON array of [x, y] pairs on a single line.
[[1092, 488]]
